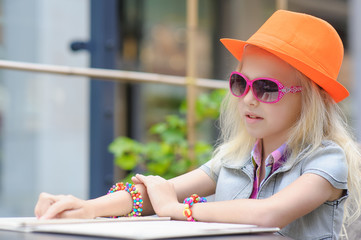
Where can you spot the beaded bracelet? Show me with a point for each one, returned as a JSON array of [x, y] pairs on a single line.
[[136, 196], [187, 212]]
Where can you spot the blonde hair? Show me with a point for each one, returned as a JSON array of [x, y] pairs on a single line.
[[320, 119]]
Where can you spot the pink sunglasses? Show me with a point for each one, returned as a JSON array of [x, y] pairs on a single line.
[[266, 90]]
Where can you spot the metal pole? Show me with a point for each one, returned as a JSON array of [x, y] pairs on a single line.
[[116, 75], [192, 22]]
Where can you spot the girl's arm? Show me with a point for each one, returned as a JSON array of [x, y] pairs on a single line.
[[301, 197], [298, 199], [67, 206], [118, 203], [196, 181]]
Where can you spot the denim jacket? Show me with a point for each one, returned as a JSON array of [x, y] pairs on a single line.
[[235, 181]]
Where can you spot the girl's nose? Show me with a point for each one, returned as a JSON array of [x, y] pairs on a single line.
[[249, 98]]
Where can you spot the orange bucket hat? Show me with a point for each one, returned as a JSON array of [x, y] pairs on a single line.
[[309, 44]]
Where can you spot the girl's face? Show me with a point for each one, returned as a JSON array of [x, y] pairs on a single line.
[[270, 122]]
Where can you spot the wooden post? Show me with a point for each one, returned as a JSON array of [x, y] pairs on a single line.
[[192, 22], [282, 4]]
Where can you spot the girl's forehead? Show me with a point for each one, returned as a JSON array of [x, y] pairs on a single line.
[[259, 57], [257, 63]]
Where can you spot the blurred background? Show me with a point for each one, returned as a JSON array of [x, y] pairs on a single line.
[[55, 130]]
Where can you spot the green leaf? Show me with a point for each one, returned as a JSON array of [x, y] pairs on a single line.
[[158, 128], [127, 161], [183, 107], [159, 168], [202, 147], [122, 145], [173, 136], [175, 121], [203, 152], [180, 167]]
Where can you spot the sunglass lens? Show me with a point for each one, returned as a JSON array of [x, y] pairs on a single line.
[[265, 90], [238, 84]]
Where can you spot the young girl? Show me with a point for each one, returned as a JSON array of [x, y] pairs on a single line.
[[286, 158]]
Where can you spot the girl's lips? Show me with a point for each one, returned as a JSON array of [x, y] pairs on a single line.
[[252, 118]]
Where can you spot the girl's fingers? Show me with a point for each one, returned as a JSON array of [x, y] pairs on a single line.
[[136, 180], [153, 182], [142, 179], [44, 202], [149, 178], [41, 206], [75, 213], [57, 208]]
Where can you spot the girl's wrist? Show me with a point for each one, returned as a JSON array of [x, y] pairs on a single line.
[[174, 211], [188, 203], [90, 208], [116, 204]]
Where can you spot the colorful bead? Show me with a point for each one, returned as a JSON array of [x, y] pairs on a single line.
[[187, 212], [136, 196]]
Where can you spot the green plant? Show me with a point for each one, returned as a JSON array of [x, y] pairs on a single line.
[[167, 155]]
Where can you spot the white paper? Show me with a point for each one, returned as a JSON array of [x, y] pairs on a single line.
[[142, 228], [30, 224]]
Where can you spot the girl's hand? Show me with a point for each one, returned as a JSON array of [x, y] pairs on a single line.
[[61, 206], [162, 195]]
